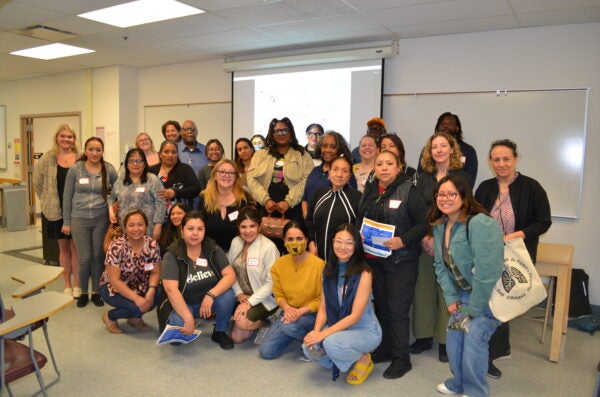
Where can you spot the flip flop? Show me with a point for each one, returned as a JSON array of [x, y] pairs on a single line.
[[360, 372]]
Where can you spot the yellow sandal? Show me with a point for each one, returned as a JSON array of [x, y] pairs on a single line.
[[360, 372]]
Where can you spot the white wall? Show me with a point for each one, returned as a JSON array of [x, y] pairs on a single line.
[[537, 58]]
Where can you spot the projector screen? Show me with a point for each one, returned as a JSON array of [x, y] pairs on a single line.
[[339, 96]]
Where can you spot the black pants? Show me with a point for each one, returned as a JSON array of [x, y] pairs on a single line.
[[393, 290], [500, 342]]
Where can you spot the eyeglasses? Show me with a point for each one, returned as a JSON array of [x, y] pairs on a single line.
[[143, 140], [446, 196], [281, 131], [347, 243], [189, 129], [223, 173], [135, 161], [317, 134]]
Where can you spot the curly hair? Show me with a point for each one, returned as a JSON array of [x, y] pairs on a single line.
[[427, 162]]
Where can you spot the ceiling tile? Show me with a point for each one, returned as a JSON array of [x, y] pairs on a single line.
[[453, 27], [440, 12], [581, 15], [526, 6], [16, 15]]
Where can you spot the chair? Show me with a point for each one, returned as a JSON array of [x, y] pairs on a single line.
[[19, 360]]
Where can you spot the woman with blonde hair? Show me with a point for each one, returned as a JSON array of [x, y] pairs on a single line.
[[441, 156], [221, 201], [49, 175], [145, 144]]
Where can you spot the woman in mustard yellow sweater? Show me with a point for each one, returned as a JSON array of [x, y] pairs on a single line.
[[297, 290]]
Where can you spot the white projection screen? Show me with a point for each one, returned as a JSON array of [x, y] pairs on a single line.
[[339, 96]]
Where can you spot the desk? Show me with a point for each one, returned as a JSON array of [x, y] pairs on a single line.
[[29, 311], [34, 309], [556, 260], [34, 278]]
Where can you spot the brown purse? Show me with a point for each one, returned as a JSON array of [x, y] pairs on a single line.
[[114, 230], [273, 227]]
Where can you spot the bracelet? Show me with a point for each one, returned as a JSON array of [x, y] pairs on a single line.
[[211, 295], [153, 286]]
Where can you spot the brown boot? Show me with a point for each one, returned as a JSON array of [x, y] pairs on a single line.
[[111, 326], [138, 324]]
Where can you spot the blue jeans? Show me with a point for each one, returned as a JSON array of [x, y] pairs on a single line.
[[222, 307], [345, 347], [123, 307], [281, 335], [468, 353]]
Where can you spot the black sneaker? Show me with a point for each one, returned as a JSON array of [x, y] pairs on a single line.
[[222, 339], [421, 345], [397, 369], [83, 300], [442, 354], [97, 300], [493, 372]]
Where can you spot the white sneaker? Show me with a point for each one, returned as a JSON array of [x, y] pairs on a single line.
[[443, 389]]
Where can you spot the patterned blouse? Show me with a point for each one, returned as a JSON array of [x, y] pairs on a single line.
[[135, 268]]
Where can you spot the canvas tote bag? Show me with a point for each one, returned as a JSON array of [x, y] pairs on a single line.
[[520, 287]]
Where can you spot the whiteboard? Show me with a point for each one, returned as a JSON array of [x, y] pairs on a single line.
[[549, 127], [213, 120]]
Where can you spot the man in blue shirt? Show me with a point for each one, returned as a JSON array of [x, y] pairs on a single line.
[[191, 152]]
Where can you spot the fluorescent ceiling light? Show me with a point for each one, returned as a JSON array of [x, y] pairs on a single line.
[[52, 51], [140, 12]]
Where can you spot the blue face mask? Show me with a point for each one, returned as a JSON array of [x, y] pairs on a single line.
[[257, 147]]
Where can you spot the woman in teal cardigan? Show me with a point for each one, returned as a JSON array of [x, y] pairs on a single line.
[[469, 256]]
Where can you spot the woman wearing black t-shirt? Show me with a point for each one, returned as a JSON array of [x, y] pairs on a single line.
[[197, 279]]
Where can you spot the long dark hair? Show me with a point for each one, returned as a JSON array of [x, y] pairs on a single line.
[[270, 141], [236, 157], [144, 178], [356, 264], [102, 162], [470, 205], [170, 232]]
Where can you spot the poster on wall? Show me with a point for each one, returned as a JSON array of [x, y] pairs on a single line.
[[2, 137]]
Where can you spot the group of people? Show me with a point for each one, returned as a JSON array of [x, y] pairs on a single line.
[[191, 242]]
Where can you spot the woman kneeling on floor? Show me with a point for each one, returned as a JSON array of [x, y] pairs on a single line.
[[346, 328], [252, 255], [197, 279], [297, 290], [131, 275]]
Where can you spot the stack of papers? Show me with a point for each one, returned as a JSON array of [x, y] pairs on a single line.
[[172, 334]]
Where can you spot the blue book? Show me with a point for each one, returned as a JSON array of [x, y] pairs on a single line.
[[172, 334]]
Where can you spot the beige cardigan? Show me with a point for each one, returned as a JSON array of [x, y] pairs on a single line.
[[295, 172], [44, 182]]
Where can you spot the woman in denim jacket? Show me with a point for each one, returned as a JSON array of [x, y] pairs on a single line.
[[469, 256]]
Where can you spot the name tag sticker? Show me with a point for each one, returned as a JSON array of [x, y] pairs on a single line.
[[140, 189], [253, 262], [84, 181], [201, 262], [463, 159], [233, 216], [148, 267], [280, 163], [395, 204]]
